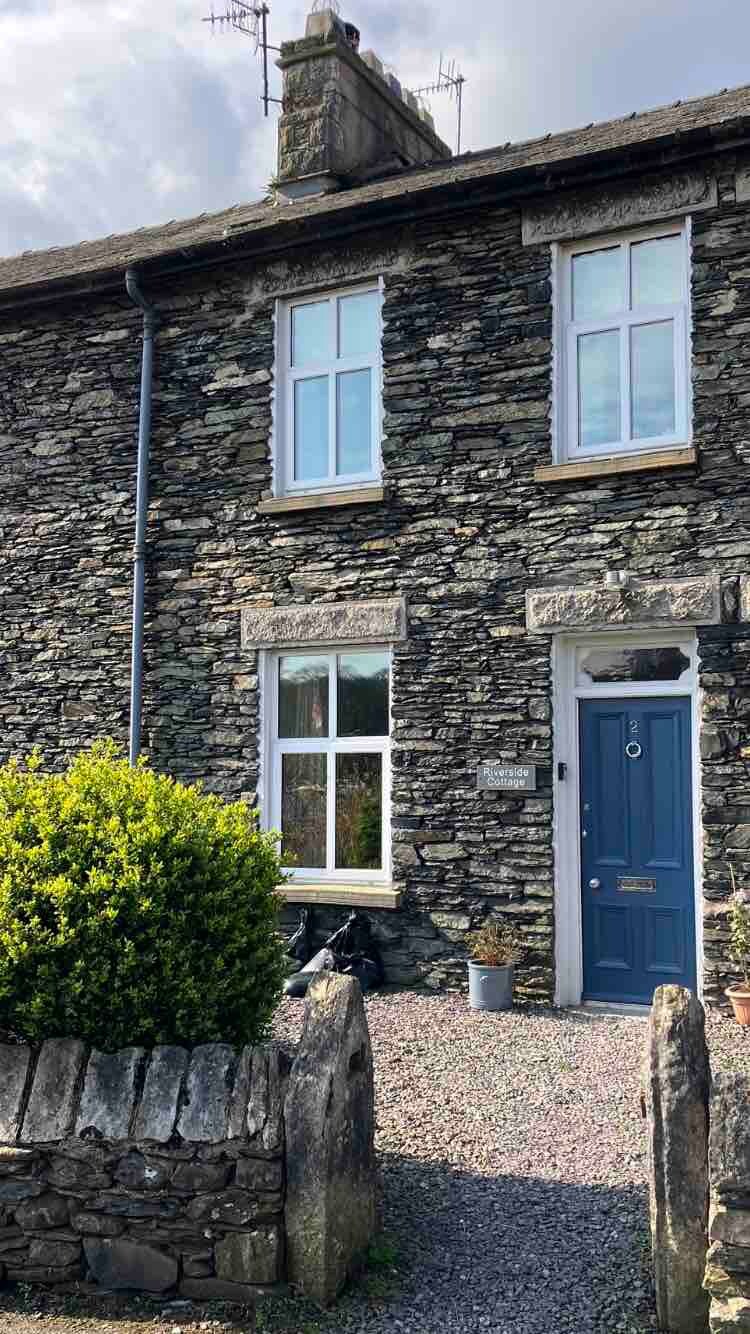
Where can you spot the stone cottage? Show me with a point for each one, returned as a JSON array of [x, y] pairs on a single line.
[[445, 558]]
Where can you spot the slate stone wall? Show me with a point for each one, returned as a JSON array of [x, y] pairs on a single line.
[[213, 1173], [463, 533], [158, 1171], [727, 1277]]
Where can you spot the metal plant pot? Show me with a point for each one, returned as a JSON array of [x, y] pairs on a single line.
[[490, 988]]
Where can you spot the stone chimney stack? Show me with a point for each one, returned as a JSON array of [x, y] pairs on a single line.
[[344, 118]]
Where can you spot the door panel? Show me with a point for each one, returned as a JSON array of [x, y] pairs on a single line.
[[613, 936], [665, 940], [663, 825], [610, 832], [636, 847]]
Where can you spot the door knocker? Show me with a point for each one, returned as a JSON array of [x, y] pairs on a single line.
[[633, 750]]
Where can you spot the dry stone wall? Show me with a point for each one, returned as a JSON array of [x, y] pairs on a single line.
[[159, 1171], [166, 1171], [465, 530], [699, 1178], [676, 1081], [728, 1263]]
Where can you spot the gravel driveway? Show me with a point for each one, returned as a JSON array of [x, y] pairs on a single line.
[[514, 1170]]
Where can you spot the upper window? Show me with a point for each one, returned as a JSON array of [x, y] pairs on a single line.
[[623, 344], [330, 751], [329, 391]]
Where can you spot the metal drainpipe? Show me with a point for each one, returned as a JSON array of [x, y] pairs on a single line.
[[150, 325]]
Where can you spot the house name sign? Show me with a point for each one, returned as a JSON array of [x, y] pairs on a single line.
[[506, 777]]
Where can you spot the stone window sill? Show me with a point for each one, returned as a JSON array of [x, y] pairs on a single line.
[[363, 495], [355, 896], [619, 463]]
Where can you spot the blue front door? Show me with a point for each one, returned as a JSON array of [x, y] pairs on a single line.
[[636, 848]]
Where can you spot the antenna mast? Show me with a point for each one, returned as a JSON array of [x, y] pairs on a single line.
[[450, 80], [252, 20]]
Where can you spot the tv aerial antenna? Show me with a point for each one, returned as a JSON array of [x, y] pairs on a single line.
[[251, 19], [450, 80]]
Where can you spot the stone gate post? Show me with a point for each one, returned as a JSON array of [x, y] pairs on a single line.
[[676, 1086]]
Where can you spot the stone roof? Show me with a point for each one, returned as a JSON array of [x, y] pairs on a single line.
[[91, 263]]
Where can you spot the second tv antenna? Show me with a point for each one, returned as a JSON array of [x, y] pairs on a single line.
[[252, 20], [450, 80]]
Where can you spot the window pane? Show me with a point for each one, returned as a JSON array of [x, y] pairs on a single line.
[[311, 429], [656, 268], [359, 331], [634, 664], [363, 694], [599, 388], [359, 812], [354, 429], [303, 810], [598, 283], [303, 696], [652, 373], [311, 333]]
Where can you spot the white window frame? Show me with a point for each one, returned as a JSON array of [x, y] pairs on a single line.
[[275, 747], [567, 330], [287, 375]]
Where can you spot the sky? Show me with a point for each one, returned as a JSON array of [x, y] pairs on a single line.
[[118, 114]]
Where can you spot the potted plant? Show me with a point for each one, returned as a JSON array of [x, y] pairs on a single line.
[[493, 952], [739, 925]]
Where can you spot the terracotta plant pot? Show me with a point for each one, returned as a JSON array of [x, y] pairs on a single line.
[[740, 997]]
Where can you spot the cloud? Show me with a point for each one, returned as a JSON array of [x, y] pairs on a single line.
[[121, 113]]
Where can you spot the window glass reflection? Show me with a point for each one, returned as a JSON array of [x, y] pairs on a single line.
[[303, 810], [634, 664], [359, 812], [303, 696], [598, 283], [363, 694], [599, 388], [652, 376]]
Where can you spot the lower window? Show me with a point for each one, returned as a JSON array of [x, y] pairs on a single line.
[[330, 753]]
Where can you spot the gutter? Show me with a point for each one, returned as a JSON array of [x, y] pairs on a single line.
[[150, 325], [503, 189]]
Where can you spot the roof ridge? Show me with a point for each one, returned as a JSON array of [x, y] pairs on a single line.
[[104, 257]]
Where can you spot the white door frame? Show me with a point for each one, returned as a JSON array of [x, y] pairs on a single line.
[[567, 691]]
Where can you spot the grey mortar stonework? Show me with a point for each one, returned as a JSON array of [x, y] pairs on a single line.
[[463, 533]]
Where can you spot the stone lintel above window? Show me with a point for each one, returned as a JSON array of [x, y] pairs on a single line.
[[643, 605], [381, 622], [649, 199]]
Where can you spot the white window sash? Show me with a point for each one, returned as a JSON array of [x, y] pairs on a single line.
[[568, 330], [287, 377], [330, 746]]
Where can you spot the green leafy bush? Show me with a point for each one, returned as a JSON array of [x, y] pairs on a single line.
[[739, 928], [133, 909]]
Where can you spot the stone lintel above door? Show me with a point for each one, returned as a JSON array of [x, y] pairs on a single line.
[[382, 622], [650, 604]]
